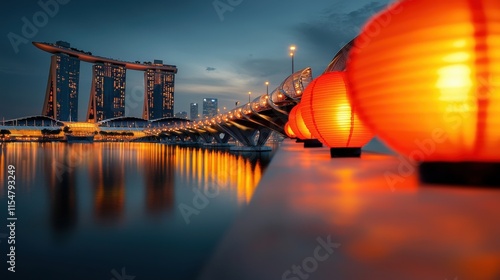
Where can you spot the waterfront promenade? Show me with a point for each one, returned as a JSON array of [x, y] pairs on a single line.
[[377, 230]]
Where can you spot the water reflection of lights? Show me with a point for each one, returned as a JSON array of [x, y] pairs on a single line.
[[108, 168], [220, 170]]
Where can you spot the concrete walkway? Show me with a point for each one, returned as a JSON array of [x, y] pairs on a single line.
[[313, 217]]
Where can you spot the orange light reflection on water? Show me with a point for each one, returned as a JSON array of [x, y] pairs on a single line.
[[219, 170], [108, 168]]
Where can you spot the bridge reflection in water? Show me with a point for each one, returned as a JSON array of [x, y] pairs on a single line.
[[110, 170], [88, 200]]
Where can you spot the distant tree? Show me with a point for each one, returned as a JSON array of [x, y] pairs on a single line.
[[46, 133], [4, 132]]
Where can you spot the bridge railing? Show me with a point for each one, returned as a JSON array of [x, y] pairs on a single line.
[[289, 92]]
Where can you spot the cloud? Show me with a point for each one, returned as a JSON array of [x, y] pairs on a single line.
[[209, 69], [330, 32], [261, 67]]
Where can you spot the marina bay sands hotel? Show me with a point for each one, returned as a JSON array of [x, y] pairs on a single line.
[[107, 94]]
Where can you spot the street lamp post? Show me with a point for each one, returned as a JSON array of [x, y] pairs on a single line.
[[292, 54], [249, 94], [267, 88]]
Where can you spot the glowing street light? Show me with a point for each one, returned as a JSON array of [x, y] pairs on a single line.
[[249, 94], [292, 54], [267, 87]]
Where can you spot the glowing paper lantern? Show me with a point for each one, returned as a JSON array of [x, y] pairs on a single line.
[[331, 119], [289, 132], [297, 124], [425, 76]]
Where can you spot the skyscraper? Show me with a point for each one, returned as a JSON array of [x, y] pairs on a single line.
[[209, 107], [107, 95], [158, 93], [193, 111], [61, 96]]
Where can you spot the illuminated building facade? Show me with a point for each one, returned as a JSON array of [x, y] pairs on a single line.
[[61, 96], [107, 95], [158, 93], [193, 111], [210, 107]]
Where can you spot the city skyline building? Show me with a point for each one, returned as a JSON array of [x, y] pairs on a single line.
[[193, 111], [107, 94], [61, 96], [158, 93], [210, 106]]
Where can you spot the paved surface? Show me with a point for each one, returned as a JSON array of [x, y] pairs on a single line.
[[376, 230]]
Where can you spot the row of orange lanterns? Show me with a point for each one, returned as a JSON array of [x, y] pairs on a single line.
[[423, 75]]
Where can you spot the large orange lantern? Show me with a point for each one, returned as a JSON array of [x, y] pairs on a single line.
[[297, 124], [425, 76], [289, 132], [300, 129], [331, 119]]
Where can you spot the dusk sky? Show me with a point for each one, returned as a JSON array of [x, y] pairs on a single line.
[[221, 55]]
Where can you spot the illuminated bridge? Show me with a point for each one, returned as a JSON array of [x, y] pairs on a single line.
[[253, 123], [250, 124]]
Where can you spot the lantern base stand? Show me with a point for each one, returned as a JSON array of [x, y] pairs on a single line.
[[485, 174], [299, 140], [312, 143], [345, 152]]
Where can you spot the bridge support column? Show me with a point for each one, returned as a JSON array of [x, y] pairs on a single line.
[[248, 137], [245, 137], [207, 138], [264, 134]]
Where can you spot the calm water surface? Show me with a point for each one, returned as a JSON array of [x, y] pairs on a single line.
[[88, 211]]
